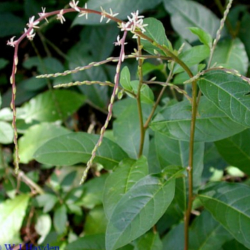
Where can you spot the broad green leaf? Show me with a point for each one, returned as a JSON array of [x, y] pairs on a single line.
[[211, 123], [229, 93], [244, 35], [185, 14], [3, 63], [236, 150], [52, 106], [88, 242], [96, 216], [174, 152], [11, 24], [229, 204], [192, 57], [34, 84], [176, 210], [155, 30], [149, 241], [47, 201], [106, 34], [233, 244], [12, 213], [123, 7], [77, 147], [121, 180], [127, 128], [231, 54], [92, 193], [125, 79], [148, 198], [96, 94], [174, 239], [46, 66], [35, 137], [206, 233], [6, 133], [148, 68], [203, 36], [60, 219]]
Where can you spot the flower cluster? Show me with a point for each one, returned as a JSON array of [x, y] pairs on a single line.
[[135, 22]]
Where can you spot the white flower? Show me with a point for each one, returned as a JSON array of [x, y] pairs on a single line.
[[31, 34], [31, 23], [119, 42], [11, 42], [42, 14], [111, 14], [135, 22], [61, 17], [103, 14], [74, 4], [84, 12], [125, 26]]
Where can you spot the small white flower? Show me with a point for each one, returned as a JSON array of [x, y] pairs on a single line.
[[84, 13], [74, 4], [31, 23], [42, 14], [118, 42], [112, 14], [125, 26], [61, 17], [30, 35], [11, 42], [103, 14], [136, 22]]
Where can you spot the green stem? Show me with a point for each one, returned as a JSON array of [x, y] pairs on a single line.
[[138, 98]]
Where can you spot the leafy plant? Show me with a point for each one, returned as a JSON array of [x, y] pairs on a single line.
[[177, 115]]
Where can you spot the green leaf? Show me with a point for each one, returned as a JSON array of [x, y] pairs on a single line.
[[46, 66], [229, 93], [77, 147], [101, 38], [233, 244], [156, 31], [203, 36], [192, 57], [174, 239], [149, 241], [244, 35], [52, 106], [47, 201], [206, 233], [185, 14], [179, 154], [6, 133], [121, 180], [60, 219], [96, 94], [231, 54], [125, 79], [92, 192], [148, 198], [3, 63], [12, 213], [211, 123], [10, 24], [95, 217], [127, 128], [229, 204], [123, 7], [88, 242], [236, 150], [35, 137]]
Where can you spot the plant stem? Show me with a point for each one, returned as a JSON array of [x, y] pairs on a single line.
[[190, 164], [138, 97]]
